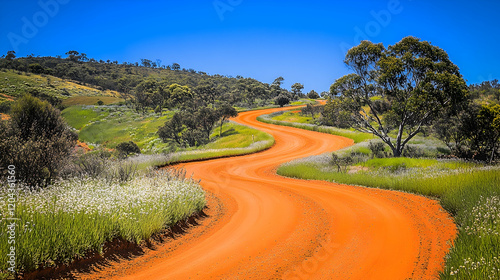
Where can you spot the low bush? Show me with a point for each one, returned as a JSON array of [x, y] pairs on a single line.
[[35, 140], [125, 149]]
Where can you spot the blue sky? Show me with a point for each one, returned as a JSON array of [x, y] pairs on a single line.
[[303, 41]]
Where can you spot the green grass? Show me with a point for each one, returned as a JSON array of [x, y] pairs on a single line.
[[236, 136], [78, 117], [352, 134], [469, 192], [110, 125], [293, 117], [73, 218], [413, 163], [303, 102], [91, 100], [236, 140], [14, 84]]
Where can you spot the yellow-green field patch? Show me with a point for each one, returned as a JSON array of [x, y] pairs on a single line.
[[91, 100]]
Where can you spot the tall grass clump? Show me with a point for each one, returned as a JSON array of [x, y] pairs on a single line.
[[75, 217], [476, 205]]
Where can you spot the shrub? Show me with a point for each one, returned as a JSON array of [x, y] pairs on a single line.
[[5, 106], [342, 163], [92, 164], [282, 100], [126, 149], [312, 110], [122, 172], [413, 151], [473, 133], [190, 128], [377, 149], [36, 140], [313, 95], [333, 114]]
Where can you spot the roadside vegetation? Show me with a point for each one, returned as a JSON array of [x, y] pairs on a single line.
[[75, 218]]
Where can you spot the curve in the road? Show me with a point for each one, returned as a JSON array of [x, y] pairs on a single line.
[[263, 226]]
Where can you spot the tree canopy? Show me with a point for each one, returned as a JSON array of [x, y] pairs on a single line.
[[415, 79]]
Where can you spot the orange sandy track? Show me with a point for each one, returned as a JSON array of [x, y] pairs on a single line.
[[263, 226], [4, 117]]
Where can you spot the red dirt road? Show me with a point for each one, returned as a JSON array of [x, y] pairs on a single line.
[[263, 226]]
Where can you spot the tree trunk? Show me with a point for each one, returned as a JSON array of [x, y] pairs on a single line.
[[396, 152], [492, 153]]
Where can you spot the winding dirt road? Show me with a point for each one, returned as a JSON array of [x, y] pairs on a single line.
[[263, 226]]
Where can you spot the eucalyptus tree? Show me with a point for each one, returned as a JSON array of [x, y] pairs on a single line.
[[312, 94], [225, 111], [297, 90], [416, 79]]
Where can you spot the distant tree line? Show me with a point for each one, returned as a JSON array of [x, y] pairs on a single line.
[[150, 84], [198, 99]]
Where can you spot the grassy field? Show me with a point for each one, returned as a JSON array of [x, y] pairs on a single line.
[[75, 217], [303, 102], [14, 83], [110, 125], [91, 100], [355, 135], [293, 117]]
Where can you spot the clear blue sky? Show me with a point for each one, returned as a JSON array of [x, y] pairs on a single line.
[[303, 41]]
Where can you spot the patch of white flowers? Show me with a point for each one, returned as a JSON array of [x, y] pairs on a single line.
[[469, 267], [150, 160], [483, 221], [485, 218], [97, 196], [161, 193]]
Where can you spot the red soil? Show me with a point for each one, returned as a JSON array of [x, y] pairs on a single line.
[[263, 226], [83, 146]]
